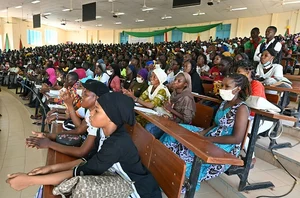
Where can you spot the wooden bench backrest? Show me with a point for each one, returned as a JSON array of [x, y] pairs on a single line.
[[143, 140], [165, 166], [203, 117], [168, 169], [273, 98], [207, 88]]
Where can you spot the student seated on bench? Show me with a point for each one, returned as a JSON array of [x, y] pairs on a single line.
[[155, 96], [181, 107], [117, 151], [272, 74], [71, 85], [92, 90], [227, 131]]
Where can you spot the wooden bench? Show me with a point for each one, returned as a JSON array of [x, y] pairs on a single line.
[[166, 167], [285, 96]]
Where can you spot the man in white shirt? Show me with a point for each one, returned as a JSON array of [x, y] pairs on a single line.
[[270, 42]]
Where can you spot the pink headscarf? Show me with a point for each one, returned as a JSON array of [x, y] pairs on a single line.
[[52, 75]]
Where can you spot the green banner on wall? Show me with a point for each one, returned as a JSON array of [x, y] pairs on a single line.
[[6, 42], [195, 29]]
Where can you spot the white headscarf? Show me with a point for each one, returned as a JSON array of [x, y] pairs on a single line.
[[162, 77]]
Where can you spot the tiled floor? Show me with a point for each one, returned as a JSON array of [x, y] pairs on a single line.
[[14, 156]]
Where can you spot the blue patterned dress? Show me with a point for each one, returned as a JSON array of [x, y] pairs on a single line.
[[224, 120]]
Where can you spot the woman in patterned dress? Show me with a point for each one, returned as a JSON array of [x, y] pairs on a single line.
[[155, 96], [227, 132]]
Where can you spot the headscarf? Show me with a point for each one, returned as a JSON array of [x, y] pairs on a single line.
[[96, 87], [187, 92], [144, 73], [118, 107], [52, 75], [162, 77]]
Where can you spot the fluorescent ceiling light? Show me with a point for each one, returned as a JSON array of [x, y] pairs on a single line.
[[198, 13], [119, 13], [166, 17], [147, 9], [238, 9], [139, 20], [18, 7], [47, 13], [66, 10], [118, 23], [78, 20], [99, 25], [34, 2], [290, 2], [98, 17]]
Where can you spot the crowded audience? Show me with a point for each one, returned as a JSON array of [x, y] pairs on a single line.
[[162, 77]]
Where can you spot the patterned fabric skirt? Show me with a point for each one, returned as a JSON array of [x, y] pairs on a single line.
[[208, 171]]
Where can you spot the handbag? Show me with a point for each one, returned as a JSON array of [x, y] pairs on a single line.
[[106, 185], [69, 139]]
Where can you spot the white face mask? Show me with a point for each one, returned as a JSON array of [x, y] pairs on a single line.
[[139, 79], [59, 79], [267, 65], [227, 95], [109, 72]]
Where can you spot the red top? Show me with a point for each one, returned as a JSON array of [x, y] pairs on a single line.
[[257, 89], [115, 84], [214, 71], [81, 73]]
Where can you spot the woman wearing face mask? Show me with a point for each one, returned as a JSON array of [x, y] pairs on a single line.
[[272, 74], [227, 131], [155, 95], [114, 82], [140, 85], [269, 73]]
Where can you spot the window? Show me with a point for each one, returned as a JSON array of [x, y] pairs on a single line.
[[123, 38], [34, 37], [176, 35], [159, 38], [51, 37], [223, 31]]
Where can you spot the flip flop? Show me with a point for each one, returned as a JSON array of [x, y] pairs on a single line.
[[37, 123]]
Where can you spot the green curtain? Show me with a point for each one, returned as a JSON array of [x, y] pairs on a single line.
[[6, 42], [148, 34], [195, 29]]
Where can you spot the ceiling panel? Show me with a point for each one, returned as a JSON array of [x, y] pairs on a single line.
[[132, 9]]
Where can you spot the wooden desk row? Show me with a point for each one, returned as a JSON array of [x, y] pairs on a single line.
[[55, 157]]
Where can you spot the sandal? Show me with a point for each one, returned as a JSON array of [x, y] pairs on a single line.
[[35, 117], [37, 123]]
